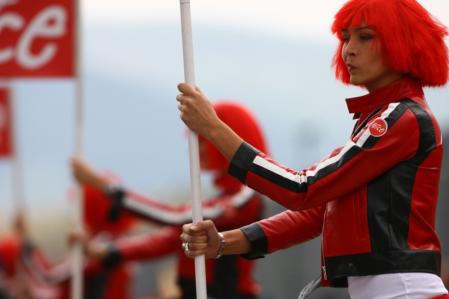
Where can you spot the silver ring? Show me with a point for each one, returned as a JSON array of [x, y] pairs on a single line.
[[185, 246]]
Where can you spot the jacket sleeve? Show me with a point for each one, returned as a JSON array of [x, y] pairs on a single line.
[[50, 273], [37, 265], [225, 210], [365, 157], [283, 230], [143, 247]]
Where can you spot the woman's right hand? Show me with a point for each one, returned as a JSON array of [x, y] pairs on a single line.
[[201, 239], [199, 115], [196, 110]]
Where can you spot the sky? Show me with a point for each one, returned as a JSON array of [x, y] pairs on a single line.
[[282, 17]]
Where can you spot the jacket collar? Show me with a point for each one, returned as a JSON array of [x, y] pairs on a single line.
[[405, 87]]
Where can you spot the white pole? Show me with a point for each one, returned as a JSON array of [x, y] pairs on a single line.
[[195, 182], [17, 169], [77, 252]]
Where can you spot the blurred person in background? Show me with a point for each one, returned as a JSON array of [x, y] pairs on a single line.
[[15, 281], [100, 281], [236, 205], [11, 286], [372, 200]]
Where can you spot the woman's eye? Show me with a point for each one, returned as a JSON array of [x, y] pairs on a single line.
[[366, 37], [345, 38]]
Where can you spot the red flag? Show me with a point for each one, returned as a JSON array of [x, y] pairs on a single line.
[[5, 125], [37, 38]]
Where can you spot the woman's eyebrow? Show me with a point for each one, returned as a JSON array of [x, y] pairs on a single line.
[[363, 28], [357, 29]]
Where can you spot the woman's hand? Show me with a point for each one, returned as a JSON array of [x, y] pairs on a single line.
[[85, 174], [76, 236], [197, 111], [199, 115], [20, 225], [91, 248], [200, 239]]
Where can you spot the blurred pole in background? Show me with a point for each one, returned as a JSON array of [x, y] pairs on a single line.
[[18, 190], [195, 182], [8, 144], [77, 250]]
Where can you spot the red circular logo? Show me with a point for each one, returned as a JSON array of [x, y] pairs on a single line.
[[378, 127]]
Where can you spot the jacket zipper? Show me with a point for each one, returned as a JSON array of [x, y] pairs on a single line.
[[323, 266]]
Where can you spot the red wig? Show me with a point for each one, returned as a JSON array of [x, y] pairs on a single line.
[[411, 39], [96, 211], [9, 254], [241, 121]]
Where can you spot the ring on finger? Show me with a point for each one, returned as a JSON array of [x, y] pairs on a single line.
[[185, 246]]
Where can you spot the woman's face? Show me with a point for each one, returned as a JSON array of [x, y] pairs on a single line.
[[363, 58]]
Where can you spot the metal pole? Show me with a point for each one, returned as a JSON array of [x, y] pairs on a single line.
[[17, 177], [195, 182], [77, 252]]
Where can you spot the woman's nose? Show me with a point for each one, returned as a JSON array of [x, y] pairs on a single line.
[[351, 47]]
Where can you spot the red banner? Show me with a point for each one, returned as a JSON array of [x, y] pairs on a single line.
[[5, 124], [37, 38]]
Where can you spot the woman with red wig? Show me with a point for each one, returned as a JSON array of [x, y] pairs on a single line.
[[236, 205], [372, 200]]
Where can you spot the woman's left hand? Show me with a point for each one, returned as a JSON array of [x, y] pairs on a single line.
[[196, 110], [200, 238], [85, 174]]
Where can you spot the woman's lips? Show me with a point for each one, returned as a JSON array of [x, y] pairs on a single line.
[[351, 68]]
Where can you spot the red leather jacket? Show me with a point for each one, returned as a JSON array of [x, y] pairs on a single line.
[[372, 200]]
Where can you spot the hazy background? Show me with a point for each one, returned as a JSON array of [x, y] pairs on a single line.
[[272, 56]]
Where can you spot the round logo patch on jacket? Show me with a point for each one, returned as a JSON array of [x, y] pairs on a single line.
[[378, 127]]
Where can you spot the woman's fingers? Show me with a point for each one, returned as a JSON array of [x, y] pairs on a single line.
[[199, 228], [187, 89], [194, 243], [181, 98], [199, 239], [186, 238], [195, 110], [194, 249]]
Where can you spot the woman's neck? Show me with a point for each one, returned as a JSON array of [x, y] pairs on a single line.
[[387, 79]]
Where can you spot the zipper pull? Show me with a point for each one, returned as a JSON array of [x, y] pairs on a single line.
[[323, 268]]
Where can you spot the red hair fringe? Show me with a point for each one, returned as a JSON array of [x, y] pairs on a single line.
[[411, 39]]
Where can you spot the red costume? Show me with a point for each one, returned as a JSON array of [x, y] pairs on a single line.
[[99, 282], [9, 255]]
